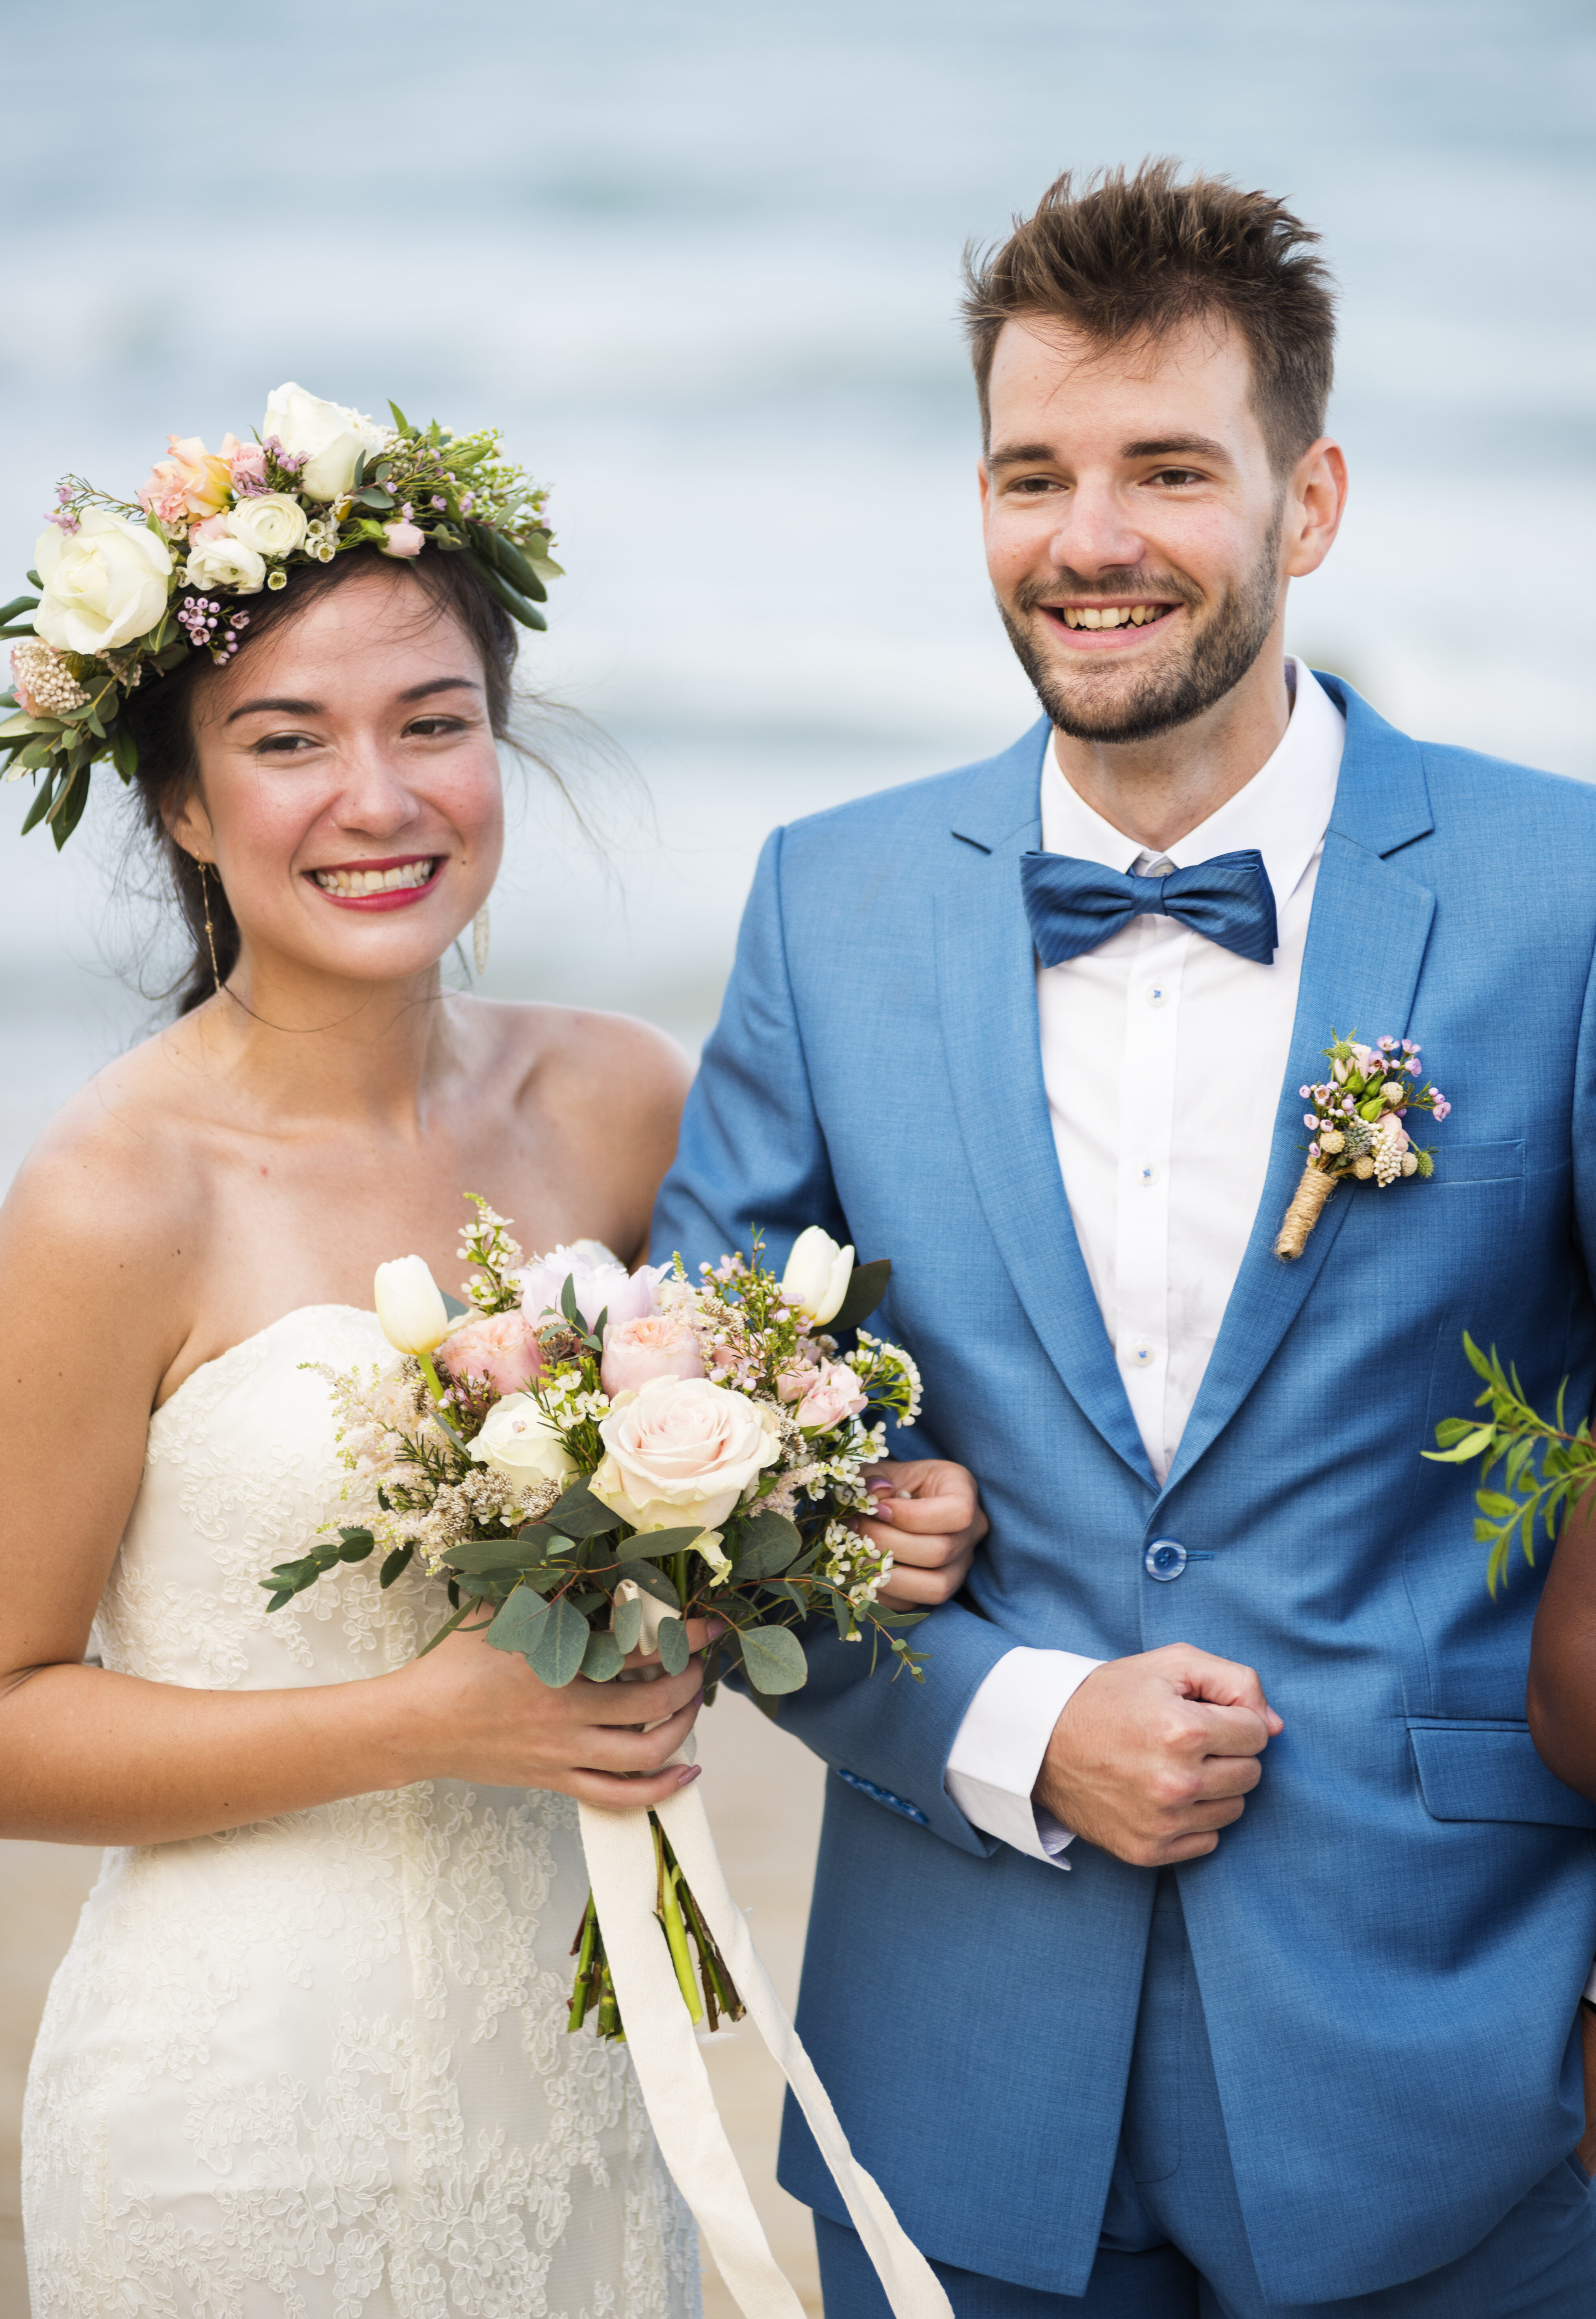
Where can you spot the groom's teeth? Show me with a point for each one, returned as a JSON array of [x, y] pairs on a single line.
[[349, 882], [1112, 616]]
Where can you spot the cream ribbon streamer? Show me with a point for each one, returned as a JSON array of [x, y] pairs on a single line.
[[676, 2083]]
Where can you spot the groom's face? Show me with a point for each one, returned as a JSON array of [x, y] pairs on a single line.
[[1134, 523]]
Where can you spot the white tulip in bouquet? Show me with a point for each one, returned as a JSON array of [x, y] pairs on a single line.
[[593, 1457]]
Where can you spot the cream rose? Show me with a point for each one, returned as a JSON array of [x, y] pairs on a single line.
[[517, 1442], [222, 560], [270, 523], [682, 1451], [329, 437], [105, 584]]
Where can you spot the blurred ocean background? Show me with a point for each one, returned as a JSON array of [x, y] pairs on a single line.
[[702, 263]]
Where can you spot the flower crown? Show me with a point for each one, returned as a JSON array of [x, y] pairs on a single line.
[[127, 590]]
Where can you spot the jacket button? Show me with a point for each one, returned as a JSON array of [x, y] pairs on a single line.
[[1165, 1558]]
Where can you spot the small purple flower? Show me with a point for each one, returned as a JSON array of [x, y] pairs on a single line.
[[1310, 1119], [1387, 1045], [1304, 1092], [1313, 1150]]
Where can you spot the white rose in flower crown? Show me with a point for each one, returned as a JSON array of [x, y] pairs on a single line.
[[517, 1442], [218, 559], [330, 437], [270, 523], [682, 1451], [105, 584]]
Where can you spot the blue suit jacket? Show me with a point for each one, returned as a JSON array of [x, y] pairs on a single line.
[[1390, 1942]]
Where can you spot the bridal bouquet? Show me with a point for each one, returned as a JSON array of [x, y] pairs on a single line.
[[592, 1457]]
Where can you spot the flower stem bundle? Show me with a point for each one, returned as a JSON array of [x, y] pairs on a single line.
[[1357, 1123]]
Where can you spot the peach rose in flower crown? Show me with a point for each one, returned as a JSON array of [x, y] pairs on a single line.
[[683, 1452], [500, 1346], [834, 1394], [192, 482], [657, 1346]]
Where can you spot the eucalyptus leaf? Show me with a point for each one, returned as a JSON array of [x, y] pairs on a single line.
[[579, 1514], [489, 1553], [394, 1564], [774, 1659], [658, 1543], [769, 1542], [628, 1626], [649, 1579], [603, 1658], [865, 1291], [557, 1656], [673, 1651], [521, 1623]]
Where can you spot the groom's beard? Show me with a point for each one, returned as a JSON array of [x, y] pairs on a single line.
[[1103, 703]]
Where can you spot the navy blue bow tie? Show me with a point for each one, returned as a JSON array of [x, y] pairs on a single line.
[[1073, 906]]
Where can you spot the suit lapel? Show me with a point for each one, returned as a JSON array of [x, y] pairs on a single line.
[[986, 990], [1366, 940]]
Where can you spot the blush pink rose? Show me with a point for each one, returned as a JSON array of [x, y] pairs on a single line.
[[682, 1451], [835, 1394], [655, 1347], [793, 1384], [191, 481], [500, 1346], [403, 539], [245, 463]]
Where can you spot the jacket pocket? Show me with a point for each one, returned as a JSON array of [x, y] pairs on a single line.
[[1479, 1163], [1490, 1771]]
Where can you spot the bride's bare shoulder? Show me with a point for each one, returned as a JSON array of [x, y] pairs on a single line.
[[578, 1055]]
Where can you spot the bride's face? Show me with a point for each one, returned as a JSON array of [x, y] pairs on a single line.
[[349, 792]]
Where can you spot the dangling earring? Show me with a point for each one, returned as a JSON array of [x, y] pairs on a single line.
[[209, 930], [479, 939]]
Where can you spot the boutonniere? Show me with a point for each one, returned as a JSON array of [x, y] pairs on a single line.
[[1358, 1124]]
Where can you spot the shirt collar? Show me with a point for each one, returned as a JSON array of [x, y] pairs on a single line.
[[1283, 811]]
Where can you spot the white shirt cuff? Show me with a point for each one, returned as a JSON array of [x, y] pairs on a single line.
[[1589, 1991], [997, 1753]]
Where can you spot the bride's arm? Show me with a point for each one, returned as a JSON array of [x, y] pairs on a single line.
[[96, 1249]]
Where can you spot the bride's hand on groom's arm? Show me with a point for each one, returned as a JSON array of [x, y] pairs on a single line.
[[468, 1711], [1154, 1754], [933, 1522]]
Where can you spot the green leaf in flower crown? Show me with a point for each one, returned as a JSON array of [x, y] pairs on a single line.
[[513, 601], [579, 1514], [649, 1579], [124, 750], [18, 604], [769, 1544], [774, 1659], [521, 1623], [506, 559], [67, 812], [557, 1656], [672, 1644], [627, 1627], [401, 424], [865, 1291], [603, 1658]]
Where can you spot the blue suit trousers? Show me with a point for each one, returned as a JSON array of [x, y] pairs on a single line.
[[1173, 2244]]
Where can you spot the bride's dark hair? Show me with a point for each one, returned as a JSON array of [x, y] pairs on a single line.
[[161, 716]]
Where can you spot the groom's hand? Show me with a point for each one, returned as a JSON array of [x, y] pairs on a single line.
[[1153, 1755]]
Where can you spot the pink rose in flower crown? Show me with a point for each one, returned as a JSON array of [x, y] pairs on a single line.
[[682, 1452], [245, 463], [653, 1347], [191, 481], [403, 539], [835, 1394], [500, 1346], [601, 1282]]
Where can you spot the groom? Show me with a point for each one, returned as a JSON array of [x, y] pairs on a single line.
[[1205, 1934]]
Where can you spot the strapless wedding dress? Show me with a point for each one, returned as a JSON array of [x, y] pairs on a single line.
[[318, 2068]]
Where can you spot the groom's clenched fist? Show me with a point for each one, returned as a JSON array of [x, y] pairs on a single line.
[[1152, 1756]]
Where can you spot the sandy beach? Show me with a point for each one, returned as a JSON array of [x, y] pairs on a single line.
[[764, 1794]]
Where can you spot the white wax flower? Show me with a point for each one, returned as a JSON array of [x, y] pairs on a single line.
[[818, 1274], [331, 437], [517, 1442], [272, 523], [105, 584], [410, 1306]]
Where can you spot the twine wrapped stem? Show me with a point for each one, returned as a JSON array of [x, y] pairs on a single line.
[[1307, 1202]]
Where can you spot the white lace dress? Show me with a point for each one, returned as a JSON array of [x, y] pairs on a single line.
[[318, 2068]]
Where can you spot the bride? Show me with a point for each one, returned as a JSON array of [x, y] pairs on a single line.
[[308, 2054]]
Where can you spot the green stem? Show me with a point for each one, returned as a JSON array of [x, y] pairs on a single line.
[[668, 1909], [430, 1371], [679, 1573], [464, 1612]]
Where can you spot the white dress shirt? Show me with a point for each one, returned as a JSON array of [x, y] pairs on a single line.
[[1147, 1029]]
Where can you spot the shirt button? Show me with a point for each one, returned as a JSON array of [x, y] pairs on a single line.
[[1156, 993], [1140, 1356], [1147, 1175], [1164, 1560]]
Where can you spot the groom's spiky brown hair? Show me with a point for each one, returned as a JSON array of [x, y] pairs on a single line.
[[1129, 258]]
